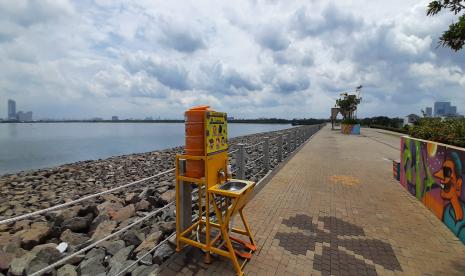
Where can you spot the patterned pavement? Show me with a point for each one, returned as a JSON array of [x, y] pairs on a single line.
[[335, 209]]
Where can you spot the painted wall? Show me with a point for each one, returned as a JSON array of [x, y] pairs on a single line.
[[350, 129], [434, 174]]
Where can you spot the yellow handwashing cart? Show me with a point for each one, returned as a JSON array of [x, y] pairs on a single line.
[[205, 166]]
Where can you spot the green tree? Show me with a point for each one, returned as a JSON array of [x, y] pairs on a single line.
[[454, 37], [348, 104]]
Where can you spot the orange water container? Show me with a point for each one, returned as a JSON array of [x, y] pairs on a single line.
[[195, 139]]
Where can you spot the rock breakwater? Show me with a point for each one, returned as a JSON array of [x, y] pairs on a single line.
[[29, 245]]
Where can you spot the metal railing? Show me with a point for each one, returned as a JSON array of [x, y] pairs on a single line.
[[286, 143]]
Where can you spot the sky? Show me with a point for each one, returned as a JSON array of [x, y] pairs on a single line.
[[289, 59]]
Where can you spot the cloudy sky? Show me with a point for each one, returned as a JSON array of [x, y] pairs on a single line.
[[81, 59]]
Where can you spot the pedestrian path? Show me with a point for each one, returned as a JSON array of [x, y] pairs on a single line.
[[335, 209]]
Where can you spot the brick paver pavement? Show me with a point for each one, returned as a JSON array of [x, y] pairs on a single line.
[[335, 209]]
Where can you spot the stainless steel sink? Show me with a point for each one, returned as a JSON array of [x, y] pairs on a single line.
[[232, 186]]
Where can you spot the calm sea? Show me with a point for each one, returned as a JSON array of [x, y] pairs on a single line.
[[34, 146]]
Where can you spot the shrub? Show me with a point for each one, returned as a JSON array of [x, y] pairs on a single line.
[[349, 121], [382, 121], [449, 131], [395, 129]]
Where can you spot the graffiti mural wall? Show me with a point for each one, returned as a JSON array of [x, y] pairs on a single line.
[[350, 129], [434, 173]]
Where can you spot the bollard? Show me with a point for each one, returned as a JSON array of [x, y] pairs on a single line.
[[280, 148], [266, 152], [240, 161], [185, 194]]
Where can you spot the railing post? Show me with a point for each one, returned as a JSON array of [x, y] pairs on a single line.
[[288, 138], [266, 152], [280, 147], [295, 140], [240, 161], [185, 196], [291, 142]]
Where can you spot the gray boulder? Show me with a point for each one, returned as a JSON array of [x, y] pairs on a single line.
[[73, 238], [92, 267], [96, 222], [37, 264], [5, 260], [78, 224], [103, 229], [162, 253], [168, 196], [142, 205], [144, 270], [131, 198], [147, 259], [35, 235], [98, 253], [124, 213], [167, 227], [115, 246], [19, 265], [121, 256], [120, 266], [150, 241], [133, 237], [67, 270]]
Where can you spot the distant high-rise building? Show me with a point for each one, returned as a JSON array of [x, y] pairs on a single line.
[[429, 112], [29, 116], [20, 116], [443, 109], [11, 110], [24, 116]]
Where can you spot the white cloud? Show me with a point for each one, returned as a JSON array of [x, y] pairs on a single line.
[[249, 58]]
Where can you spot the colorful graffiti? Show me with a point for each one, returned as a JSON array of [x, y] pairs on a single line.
[[433, 173], [350, 129]]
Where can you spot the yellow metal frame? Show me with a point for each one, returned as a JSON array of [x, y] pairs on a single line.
[[238, 200], [213, 164]]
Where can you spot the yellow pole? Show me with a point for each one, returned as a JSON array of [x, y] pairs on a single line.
[[178, 211]]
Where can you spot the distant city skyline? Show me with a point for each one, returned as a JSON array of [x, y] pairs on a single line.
[[441, 109], [17, 116]]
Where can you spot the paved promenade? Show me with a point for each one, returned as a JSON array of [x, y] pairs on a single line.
[[335, 209]]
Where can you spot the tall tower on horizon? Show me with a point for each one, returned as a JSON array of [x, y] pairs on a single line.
[[429, 112], [442, 109], [11, 110]]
